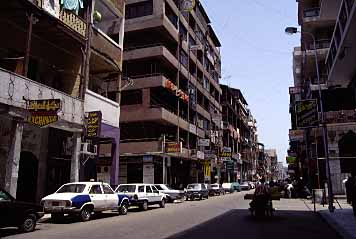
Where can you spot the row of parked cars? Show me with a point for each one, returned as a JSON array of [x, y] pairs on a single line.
[[84, 199]]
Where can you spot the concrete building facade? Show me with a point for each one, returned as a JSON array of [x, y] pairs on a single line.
[[172, 57]]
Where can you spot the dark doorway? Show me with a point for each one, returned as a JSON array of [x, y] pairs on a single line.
[[27, 177], [347, 152], [134, 173]]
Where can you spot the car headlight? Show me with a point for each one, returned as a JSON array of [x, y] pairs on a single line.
[[68, 203]]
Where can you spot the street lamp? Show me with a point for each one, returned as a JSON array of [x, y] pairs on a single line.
[[291, 31]]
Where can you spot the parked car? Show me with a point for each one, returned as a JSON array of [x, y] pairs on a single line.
[[14, 213], [171, 194], [142, 195], [231, 187], [217, 189], [83, 199], [245, 186], [197, 190], [252, 185]]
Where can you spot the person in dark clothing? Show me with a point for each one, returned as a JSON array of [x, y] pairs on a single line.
[[349, 184]]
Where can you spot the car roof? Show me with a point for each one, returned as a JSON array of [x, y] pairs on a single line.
[[86, 183]]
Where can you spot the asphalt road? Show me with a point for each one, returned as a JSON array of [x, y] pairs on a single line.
[[219, 217]]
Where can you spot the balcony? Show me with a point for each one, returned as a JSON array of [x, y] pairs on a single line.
[[71, 20], [340, 58], [110, 110], [311, 12], [14, 89]]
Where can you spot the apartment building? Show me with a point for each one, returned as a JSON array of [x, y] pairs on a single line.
[[171, 114], [51, 56], [329, 22], [239, 135], [272, 164]]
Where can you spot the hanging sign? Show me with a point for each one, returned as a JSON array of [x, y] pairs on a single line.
[[174, 147], [307, 113], [178, 92], [204, 142], [43, 112], [93, 124]]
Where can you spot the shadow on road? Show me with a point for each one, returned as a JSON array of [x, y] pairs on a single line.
[[5, 232], [240, 224]]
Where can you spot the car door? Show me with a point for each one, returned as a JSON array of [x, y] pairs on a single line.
[[157, 195], [97, 197], [7, 213], [112, 200], [149, 194]]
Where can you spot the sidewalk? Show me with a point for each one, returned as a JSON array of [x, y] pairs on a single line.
[[342, 219]]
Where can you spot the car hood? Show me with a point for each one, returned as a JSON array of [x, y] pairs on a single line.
[[61, 196]]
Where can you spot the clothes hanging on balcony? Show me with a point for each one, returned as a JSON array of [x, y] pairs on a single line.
[[72, 5], [52, 7]]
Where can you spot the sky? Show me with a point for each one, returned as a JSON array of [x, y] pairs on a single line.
[[257, 59]]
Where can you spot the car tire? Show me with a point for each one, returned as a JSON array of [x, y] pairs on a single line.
[[207, 196], [186, 198], [29, 223], [85, 214], [162, 204], [144, 206], [201, 197], [124, 208]]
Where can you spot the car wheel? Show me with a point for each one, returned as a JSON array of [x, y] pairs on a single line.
[[207, 196], [29, 224], [186, 198], [124, 208], [85, 214], [162, 204], [201, 197], [144, 206]]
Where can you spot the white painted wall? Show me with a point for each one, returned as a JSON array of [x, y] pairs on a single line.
[[110, 109]]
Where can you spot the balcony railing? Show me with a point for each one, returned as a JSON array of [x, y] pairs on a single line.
[[343, 116], [312, 12], [320, 44], [14, 89], [70, 19]]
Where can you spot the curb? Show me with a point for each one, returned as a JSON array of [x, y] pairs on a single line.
[[334, 224]]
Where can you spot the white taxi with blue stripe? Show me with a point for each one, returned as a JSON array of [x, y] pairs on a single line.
[[83, 199]]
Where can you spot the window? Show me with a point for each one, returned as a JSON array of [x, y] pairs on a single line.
[[148, 189], [141, 189], [154, 189], [183, 32], [4, 196], [171, 15], [126, 189], [184, 58], [139, 9], [95, 189], [71, 188], [107, 189], [159, 187], [131, 97]]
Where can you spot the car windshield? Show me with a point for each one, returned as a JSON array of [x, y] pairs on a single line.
[[193, 186], [71, 188], [126, 189], [159, 187], [215, 186]]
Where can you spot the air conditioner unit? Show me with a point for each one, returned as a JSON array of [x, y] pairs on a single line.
[[88, 148]]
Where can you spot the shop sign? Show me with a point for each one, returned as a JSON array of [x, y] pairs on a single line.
[[296, 135], [173, 147], [204, 142], [295, 90], [93, 124], [200, 155], [178, 92], [192, 129], [291, 160], [226, 152], [207, 169], [307, 113], [43, 112], [148, 159]]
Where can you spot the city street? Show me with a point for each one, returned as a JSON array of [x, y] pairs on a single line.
[[226, 216]]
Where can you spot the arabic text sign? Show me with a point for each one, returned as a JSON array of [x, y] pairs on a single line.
[[43, 112], [94, 123], [307, 113], [173, 147]]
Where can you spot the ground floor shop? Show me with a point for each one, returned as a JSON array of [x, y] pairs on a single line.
[[174, 171]]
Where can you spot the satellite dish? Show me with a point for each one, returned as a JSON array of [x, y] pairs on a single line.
[[188, 5]]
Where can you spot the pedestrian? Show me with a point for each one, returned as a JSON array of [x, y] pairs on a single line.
[[348, 185]]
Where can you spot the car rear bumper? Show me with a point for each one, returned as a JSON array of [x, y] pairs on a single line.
[[66, 210], [39, 215]]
